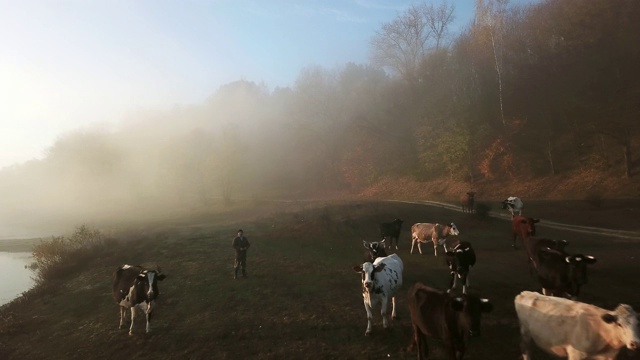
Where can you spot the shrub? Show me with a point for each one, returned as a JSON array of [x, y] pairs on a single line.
[[482, 211], [60, 256]]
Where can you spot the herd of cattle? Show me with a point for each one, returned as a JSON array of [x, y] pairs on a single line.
[[581, 331]]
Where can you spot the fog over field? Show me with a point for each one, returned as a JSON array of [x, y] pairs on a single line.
[[499, 98]]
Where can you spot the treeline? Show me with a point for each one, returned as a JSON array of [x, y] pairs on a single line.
[[522, 92]]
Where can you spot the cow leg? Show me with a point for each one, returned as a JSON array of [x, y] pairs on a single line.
[[514, 241], [465, 283], [122, 316], [383, 312], [396, 243], [367, 307], [148, 313], [435, 248], [423, 347], [393, 308], [133, 315], [453, 282], [413, 242], [525, 343]]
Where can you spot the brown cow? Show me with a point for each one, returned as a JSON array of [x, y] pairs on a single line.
[[468, 202], [523, 227], [435, 233], [533, 245]]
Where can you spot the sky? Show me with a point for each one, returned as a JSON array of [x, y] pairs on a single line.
[[72, 64]]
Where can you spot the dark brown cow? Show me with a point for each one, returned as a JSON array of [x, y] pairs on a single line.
[[468, 202], [135, 286], [533, 245], [561, 274], [523, 227], [441, 316]]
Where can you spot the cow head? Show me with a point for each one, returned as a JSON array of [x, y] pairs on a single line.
[[625, 319], [529, 225], [578, 269], [471, 194], [376, 248], [453, 230], [470, 309], [148, 279], [368, 271]]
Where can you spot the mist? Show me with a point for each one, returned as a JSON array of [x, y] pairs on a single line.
[[343, 129]]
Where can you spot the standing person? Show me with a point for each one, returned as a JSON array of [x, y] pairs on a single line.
[[241, 245]]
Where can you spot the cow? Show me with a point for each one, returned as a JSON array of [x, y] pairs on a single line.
[[533, 245], [574, 330], [391, 230], [380, 282], [460, 260], [468, 202], [435, 233], [136, 287], [523, 227], [376, 249], [441, 316], [513, 204], [561, 274]]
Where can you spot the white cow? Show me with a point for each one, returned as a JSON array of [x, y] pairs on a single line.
[[575, 330], [513, 204], [380, 281], [422, 233]]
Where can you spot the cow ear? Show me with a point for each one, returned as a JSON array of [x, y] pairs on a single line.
[[568, 259], [161, 277], [457, 304], [365, 244], [379, 267], [382, 242], [589, 259], [485, 305], [142, 276], [609, 318], [357, 268]]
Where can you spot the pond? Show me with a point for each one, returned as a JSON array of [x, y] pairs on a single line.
[[15, 278]]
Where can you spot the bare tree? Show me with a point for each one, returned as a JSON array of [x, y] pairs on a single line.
[[402, 44], [490, 15]]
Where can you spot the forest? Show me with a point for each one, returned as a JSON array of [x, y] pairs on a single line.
[[523, 92]]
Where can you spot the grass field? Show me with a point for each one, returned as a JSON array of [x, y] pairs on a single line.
[[301, 299]]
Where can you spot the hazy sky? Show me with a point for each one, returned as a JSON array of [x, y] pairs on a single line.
[[70, 64]]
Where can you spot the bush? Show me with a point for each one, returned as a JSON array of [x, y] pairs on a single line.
[[482, 211], [59, 256]]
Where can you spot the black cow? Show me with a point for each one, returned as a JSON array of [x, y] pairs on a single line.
[[376, 249], [441, 316], [391, 230], [561, 274], [135, 286], [468, 202], [460, 260]]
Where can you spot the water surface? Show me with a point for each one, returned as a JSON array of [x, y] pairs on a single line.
[[15, 278]]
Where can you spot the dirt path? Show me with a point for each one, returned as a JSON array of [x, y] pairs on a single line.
[[624, 234]]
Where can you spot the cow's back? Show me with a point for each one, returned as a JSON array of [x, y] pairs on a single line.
[[428, 310], [422, 231], [392, 270], [123, 278]]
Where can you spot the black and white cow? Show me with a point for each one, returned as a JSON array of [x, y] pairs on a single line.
[[136, 287], [391, 230], [562, 274], [513, 204], [376, 249], [438, 315], [380, 281], [460, 260]]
